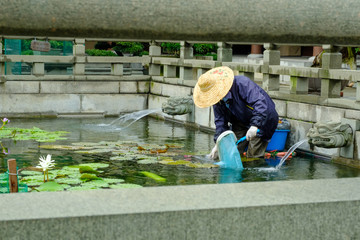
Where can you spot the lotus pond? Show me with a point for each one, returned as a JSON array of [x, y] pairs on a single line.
[[92, 153]]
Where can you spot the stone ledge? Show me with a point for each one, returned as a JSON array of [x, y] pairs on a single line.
[[326, 208]]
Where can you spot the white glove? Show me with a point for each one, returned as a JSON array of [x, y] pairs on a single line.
[[251, 133], [214, 153]]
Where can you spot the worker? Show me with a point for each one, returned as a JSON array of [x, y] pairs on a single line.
[[239, 105]]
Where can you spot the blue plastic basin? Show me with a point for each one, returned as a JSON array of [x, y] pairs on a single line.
[[278, 140]]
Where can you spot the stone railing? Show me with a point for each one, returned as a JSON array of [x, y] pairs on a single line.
[[185, 69], [330, 74], [77, 62]]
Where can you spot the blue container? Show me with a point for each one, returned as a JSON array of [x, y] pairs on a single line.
[[278, 140]]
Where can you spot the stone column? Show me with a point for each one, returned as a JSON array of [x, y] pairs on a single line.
[[117, 69], [169, 71], [79, 56], [331, 59], [186, 52], [38, 69], [271, 57], [224, 52], [154, 51], [299, 85]]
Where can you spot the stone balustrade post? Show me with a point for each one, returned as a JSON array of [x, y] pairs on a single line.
[[186, 52], [38, 69], [271, 57], [154, 51], [331, 59], [117, 69], [299, 85], [169, 71], [224, 52], [200, 71], [79, 55]]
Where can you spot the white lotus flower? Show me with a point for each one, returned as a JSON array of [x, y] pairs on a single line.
[[46, 163]]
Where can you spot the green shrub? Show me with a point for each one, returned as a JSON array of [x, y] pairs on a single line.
[[171, 48], [135, 48], [27, 52], [199, 49], [204, 49], [98, 52]]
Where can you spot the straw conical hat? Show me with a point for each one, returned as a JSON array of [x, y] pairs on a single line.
[[212, 86]]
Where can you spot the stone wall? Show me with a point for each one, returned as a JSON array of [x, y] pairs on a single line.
[[302, 117], [51, 97]]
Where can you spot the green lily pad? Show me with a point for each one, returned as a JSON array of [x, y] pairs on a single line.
[[147, 161], [153, 176], [33, 178], [72, 181], [95, 151], [80, 188], [95, 165], [32, 183], [87, 169], [64, 147], [121, 158], [96, 184], [50, 187], [25, 172], [89, 177], [85, 144], [125, 185], [34, 133], [201, 165], [113, 180]]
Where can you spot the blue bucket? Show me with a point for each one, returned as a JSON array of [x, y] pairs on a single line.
[[278, 140]]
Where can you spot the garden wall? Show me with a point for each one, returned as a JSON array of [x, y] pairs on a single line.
[[302, 117]]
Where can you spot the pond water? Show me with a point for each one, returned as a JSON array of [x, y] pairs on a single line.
[[149, 152]]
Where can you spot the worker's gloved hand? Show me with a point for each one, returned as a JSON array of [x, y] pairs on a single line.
[[214, 153], [251, 133]]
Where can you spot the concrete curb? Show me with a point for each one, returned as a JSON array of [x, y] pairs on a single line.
[[310, 209]]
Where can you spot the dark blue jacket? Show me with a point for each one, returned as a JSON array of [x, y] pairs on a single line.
[[250, 105]]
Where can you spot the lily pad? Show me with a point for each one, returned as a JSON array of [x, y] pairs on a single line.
[[153, 176], [94, 151], [33, 178], [31, 173], [85, 144], [113, 180], [121, 158], [147, 161], [89, 177], [87, 169], [95, 165], [96, 184], [64, 147], [72, 181], [32, 183], [80, 188], [34, 133], [50, 187]]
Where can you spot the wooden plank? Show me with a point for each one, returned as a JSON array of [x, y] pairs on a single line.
[[13, 181]]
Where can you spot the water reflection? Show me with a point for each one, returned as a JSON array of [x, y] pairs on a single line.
[[195, 145], [230, 175]]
